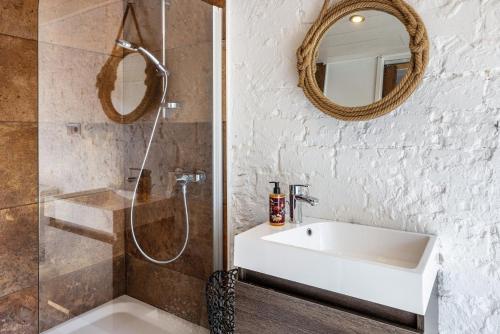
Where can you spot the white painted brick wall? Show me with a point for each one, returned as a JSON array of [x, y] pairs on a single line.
[[431, 166]]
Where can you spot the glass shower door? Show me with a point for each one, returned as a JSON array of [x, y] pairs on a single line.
[[89, 159]]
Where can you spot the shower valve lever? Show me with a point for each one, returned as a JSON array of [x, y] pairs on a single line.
[[197, 177]]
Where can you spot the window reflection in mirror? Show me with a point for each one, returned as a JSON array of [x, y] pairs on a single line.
[[362, 58], [392, 74]]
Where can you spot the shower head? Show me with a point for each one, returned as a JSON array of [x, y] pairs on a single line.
[[162, 71], [127, 45]]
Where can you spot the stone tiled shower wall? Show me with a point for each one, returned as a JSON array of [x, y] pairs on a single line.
[[178, 288], [183, 141], [71, 56], [78, 270], [431, 166], [18, 167]]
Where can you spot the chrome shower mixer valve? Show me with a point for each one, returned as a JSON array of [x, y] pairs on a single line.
[[185, 178]]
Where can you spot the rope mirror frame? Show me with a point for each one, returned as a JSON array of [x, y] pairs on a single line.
[[106, 85], [107, 77], [329, 15]]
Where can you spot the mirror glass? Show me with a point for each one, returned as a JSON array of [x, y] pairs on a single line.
[[362, 58], [130, 86]]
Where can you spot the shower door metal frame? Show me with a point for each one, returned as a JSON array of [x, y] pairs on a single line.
[[217, 153], [217, 138]]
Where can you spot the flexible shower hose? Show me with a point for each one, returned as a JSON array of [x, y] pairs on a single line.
[[183, 189]]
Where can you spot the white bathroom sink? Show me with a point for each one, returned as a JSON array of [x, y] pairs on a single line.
[[388, 267]]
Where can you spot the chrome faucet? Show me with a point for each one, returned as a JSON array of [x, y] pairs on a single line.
[[297, 197], [184, 178]]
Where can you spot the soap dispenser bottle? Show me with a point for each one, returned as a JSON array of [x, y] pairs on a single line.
[[277, 202]]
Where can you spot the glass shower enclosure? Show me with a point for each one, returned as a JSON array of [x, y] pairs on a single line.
[[97, 109]]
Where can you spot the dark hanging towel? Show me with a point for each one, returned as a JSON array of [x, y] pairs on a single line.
[[220, 295]]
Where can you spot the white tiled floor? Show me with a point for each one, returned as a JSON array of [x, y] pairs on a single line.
[[126, 315]]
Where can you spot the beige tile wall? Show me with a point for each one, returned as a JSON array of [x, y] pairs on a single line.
[[18, 167]]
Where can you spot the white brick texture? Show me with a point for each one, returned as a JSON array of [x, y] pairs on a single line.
[[431, 166]]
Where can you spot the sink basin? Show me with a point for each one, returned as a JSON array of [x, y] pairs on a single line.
[[388, 267]]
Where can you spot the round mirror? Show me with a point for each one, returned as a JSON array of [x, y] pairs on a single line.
[[362, 58], [128, 87], [130, 84]]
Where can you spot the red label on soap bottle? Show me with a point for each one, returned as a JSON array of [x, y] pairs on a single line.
[[277, 212]]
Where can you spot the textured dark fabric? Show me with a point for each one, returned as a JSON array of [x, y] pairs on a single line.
[[220, 292]]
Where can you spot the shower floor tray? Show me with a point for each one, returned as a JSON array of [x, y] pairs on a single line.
[[126, 315]]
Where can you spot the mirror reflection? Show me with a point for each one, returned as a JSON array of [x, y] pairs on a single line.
[[130, 86], [362, 58]]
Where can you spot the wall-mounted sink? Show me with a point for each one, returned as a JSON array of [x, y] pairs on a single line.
[[388, 267]]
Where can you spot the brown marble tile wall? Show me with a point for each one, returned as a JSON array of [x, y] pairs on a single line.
[[184, 141], [19, 312], [170, 290], [81, 266], [19, 18], [189, 54], [164, 238], [81, 262], [90, 25], [182, 283], [75, 40], [18, 164], [69, 27], [178, 287], [18, 67], [66, 296], [66, 250], [18, 249], [18, 167], [191, 82], [189, 22]]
